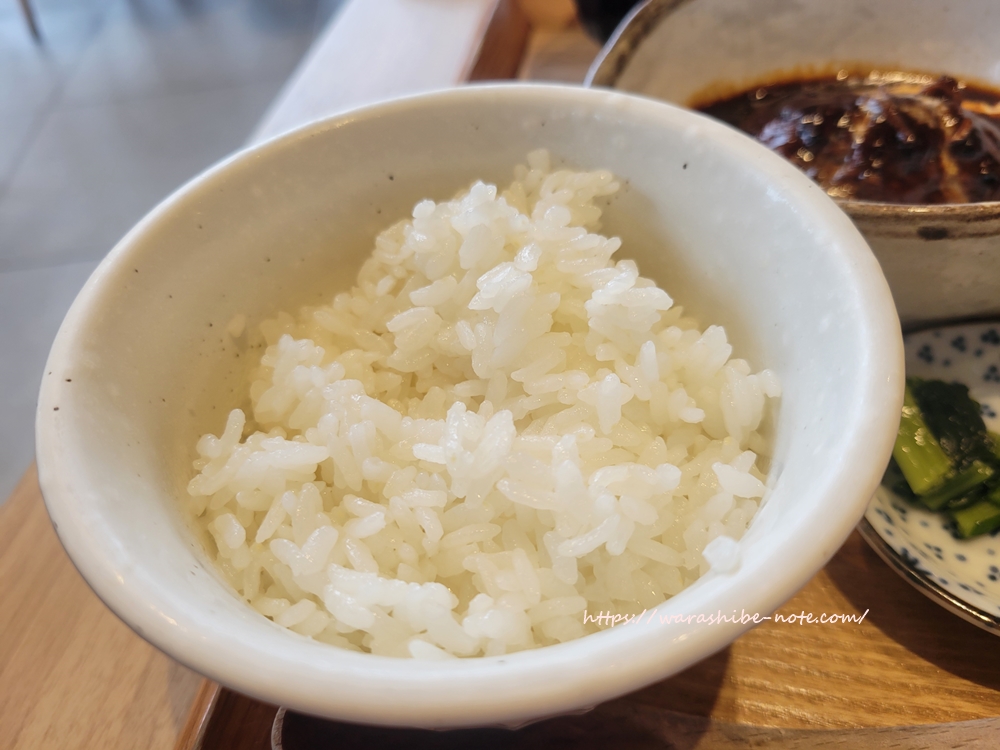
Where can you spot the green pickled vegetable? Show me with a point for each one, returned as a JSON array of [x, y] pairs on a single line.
[[996, 445], [955, 419], [958, 485], [917, 452], [895, 481], [964, 501], [981, 518], [993, 496], [944, 459]]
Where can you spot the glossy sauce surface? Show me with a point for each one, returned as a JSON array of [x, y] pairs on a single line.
[[885, 137]]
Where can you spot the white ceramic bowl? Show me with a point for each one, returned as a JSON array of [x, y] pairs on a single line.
[[941, 260], [142, 366]]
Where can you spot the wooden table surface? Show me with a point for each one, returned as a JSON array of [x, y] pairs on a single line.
[[73, 676]]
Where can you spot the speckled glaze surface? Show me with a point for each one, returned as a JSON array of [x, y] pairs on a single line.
[[940, 260], [962, 574]]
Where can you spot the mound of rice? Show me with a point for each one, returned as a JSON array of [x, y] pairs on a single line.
[[497, 428]]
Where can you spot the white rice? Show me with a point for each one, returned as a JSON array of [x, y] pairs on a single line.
[[497, 428]]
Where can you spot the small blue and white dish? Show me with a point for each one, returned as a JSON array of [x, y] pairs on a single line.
[[963, 575]]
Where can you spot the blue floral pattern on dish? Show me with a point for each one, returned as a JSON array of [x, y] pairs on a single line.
[[967, 569]]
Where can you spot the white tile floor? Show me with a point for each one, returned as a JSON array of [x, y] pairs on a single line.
[[32, 305], [124, 101]]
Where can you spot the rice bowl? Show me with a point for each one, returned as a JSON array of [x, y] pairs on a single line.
[[737, 236]]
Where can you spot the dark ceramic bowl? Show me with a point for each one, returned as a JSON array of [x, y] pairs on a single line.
[[942, 261]]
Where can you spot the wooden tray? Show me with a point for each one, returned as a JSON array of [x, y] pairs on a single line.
[[910, 675]]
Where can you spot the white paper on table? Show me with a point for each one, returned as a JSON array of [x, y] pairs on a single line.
[[378, 49]]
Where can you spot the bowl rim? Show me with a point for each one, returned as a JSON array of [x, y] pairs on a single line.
[[524, 686], [926, 221]]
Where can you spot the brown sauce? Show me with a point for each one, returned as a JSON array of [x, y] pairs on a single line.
[[891, 138]]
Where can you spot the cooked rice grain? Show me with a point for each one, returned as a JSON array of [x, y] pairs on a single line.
[[497, 428]]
